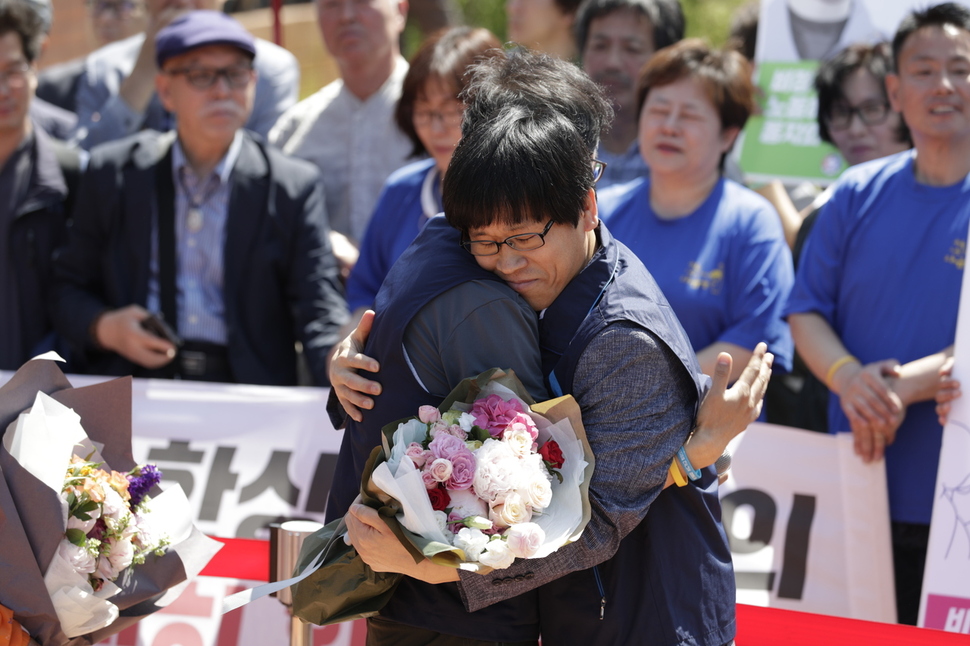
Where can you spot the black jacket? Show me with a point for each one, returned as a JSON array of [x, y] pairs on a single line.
[[37, 229], [280, 278]]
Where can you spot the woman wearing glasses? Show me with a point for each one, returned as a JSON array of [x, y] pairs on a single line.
[[430, 113], [854, 113], [854, 116], [716, 248]]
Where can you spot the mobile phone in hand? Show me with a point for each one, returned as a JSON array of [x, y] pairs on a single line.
[[155, 324]]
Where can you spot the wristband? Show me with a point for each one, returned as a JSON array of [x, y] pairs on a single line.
[[692, 473], [675, 473], [834, 368]]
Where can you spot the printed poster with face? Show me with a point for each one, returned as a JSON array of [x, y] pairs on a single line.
[[794, 36]]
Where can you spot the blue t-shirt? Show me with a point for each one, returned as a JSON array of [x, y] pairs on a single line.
[[884, 266], [725, 268], [398, 219]]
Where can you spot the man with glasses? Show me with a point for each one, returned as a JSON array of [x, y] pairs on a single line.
[[116, 96], [874, 307], [521, 205], [36, 174], [222, 239]]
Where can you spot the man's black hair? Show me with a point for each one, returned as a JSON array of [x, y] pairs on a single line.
[[948, 13], [535, 81], [19, 17], [521, 164], [666, 18]]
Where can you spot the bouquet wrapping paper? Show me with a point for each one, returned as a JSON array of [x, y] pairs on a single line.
[[344, 587], [45, 421]]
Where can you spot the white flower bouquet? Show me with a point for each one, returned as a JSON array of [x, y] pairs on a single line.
[[82, 547]]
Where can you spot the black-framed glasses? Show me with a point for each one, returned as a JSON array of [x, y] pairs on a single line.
[[520, 242], [202, 78], [598, 168], [872, 113], [447, 118], [15, 77]]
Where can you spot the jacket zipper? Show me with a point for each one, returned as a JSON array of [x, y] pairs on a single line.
[[599, 585]]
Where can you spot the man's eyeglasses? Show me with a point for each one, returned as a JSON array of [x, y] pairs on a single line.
[[872, 113], [520, 242], [598, 168], [121, 9], [202, 78], [15, 77]]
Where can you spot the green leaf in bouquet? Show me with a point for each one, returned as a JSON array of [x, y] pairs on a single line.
[[76, 536], [479, 434], [82, 511]]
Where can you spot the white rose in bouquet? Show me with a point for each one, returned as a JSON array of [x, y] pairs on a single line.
[[497, 555], [535, 488], [518, 438], [525, 539], [79, 557], [513, 511], [440, 469], [471, 542]]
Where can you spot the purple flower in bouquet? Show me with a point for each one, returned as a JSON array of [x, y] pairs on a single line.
[[446, 446], [462, 471], [141, 480], [494, 414]]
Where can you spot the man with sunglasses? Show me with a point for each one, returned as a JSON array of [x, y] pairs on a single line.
[[221, 237]]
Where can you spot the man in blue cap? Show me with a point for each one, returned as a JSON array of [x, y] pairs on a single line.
[[221, 237]]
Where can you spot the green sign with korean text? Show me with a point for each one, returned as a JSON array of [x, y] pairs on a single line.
[[782, 142]]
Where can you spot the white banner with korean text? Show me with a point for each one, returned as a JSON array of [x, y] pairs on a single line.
[[808, 524]]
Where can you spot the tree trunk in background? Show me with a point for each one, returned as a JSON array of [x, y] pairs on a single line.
[[432, 15]]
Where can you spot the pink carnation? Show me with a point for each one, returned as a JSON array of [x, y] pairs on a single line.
[[463, 471], [445, 446], [494, 413]]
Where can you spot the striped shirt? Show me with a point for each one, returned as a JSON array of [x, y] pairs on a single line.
[[199, 246]]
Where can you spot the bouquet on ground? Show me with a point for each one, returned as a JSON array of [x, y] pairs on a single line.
[[487, 477], [90, 542]]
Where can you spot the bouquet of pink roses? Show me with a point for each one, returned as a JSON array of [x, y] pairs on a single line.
[[487, 477], [488, 481]]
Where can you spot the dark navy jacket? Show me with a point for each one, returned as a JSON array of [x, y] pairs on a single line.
[[38, 228], [671, 581], [433, 264]]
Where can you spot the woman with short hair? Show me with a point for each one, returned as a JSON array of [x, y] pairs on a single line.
[[715, 247]]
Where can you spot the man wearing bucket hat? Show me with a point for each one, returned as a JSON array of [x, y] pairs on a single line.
[[222, 238]]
